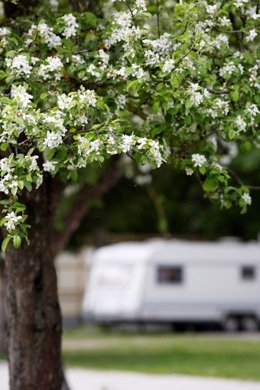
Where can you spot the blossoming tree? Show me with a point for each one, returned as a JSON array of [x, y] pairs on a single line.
[[83, 83]]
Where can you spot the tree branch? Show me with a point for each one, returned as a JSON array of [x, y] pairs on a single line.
[[13, 11], [218, 92], [81, 205], [85, 5], [239, 35]]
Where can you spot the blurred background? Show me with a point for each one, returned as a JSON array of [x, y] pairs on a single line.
[[145, 205]]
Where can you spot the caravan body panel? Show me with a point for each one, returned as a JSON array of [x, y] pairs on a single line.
[[174, 281]]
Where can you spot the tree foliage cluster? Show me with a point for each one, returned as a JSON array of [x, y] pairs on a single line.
[[157, 81]]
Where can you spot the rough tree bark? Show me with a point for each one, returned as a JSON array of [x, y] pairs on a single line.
[[33, 312], [32, 306], [2, 316]]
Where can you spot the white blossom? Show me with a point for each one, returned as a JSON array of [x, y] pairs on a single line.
[[219, 108], [19, 65], [65, 102], [240, 123], [54, 4], [121, 101], [52, 40], [189, 171], [49, 166], [93, 70], [156, 153], [54, 119], [39, 180], [168, 66], [32, 160], [137, 71], [52, 68], [4, 31], [228, 69], [224, 21], [83, 119], [221, 39], [4, 187], [127, 143], [211, 9], [20, 95], [141, 143], [217, 166], [104, 57], [198, 160], [162, 45], [253, 79], [52, 140], [78, 59], [253, 111], [94, 146], [123, 19], [247, 198], [12, 220], [251, 36], [71, 26], [121, 72], [252, 13], [87, 96], [152, 58], [140, 5], [5, 165], [196, 96], [240, 3]]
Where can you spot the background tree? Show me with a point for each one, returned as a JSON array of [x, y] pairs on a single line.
[[159, 82], [167, 203]]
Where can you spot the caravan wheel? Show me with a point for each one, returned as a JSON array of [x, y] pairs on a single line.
[[249, 324], [231, 324]]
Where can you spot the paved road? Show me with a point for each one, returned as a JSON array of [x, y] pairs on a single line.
[[111, 380]]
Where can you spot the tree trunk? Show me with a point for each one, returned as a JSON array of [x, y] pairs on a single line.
[[2, 311], [32, 306]]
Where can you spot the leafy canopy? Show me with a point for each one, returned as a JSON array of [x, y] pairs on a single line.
[[160, 81]]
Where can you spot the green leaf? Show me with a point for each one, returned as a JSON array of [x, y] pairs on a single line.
[[4, 147], [81, 74], [17, 241], [210, 184], [3, 75], [5, 243], [246, 147], [28, 185], [88, 20], [2, 221], [235, 94]]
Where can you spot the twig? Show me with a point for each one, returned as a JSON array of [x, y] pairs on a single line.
[[158, 19]]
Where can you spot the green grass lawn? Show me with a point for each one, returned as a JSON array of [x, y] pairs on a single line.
[[3, 356], [197, 354]]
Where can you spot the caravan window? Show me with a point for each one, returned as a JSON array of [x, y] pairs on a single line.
[[248, 272], [169, 274]]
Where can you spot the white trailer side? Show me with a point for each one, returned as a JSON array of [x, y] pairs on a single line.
[[176, 281], [212, 282]]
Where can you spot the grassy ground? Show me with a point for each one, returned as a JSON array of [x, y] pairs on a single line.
[[197, 354], [3, 356]]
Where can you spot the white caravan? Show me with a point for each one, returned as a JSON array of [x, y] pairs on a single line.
[[175, 282]]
